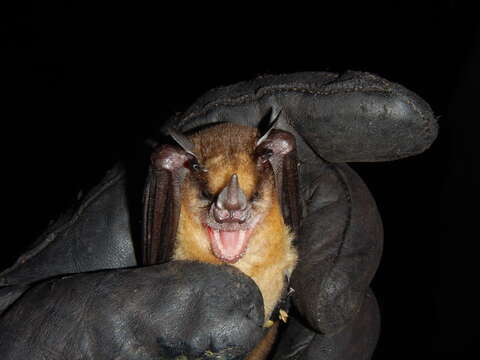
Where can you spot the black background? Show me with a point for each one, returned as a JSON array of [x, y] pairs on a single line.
[[84, 84]]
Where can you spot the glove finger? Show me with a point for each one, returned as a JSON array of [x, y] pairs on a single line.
[[181, 308], [354, 117], [355, 341]]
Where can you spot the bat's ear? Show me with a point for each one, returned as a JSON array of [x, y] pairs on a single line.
[[275, 122], [278, 147], [182, 141], [169, 165], [187, 146]]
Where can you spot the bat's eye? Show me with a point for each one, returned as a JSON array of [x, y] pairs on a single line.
[[255, 196], [197, 167]]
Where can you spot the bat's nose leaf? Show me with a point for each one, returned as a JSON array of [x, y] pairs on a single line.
[[232, 196]]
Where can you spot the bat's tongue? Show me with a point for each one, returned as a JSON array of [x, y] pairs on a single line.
[[229, 246]]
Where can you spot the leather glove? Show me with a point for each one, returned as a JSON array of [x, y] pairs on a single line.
[[164, 311], [335, 119]]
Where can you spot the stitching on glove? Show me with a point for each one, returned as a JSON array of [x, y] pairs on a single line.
[[262, 92]]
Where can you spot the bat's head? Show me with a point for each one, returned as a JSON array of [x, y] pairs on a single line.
[[231, 191]]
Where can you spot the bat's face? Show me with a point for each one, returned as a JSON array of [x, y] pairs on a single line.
[[227, 195], [220, 196]]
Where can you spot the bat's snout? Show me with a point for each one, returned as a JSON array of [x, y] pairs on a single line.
[[230, 222], [231, 204]]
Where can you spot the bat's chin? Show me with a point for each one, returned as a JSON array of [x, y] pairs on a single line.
[[228, 246]]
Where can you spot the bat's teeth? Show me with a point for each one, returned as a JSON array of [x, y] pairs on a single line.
[[241, 238], [228, 246], [216, 236]]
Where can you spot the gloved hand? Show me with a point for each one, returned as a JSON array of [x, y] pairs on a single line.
[[335, 119], [141, 313]]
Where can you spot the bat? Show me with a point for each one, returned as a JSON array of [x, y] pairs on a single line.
[[225, 194]]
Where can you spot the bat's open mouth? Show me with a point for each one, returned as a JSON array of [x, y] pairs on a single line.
[[230, 222], [229, 246]]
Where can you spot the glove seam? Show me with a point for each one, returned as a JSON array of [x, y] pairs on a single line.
[[348, 199], [375, 249], [263, 92]]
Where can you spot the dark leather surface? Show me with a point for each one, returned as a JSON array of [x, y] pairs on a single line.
[[353, 117], [355, 341], [95, 235], [340, 244], [116, 314], [344, 118]]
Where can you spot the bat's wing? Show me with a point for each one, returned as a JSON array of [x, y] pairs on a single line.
[[162, 204], [289, 191], [281, 146]]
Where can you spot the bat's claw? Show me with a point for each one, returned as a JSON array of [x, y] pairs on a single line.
[[283, 315]]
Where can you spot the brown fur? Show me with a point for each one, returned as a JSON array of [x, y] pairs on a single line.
[[262, 350], [224, 150]]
